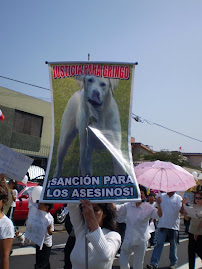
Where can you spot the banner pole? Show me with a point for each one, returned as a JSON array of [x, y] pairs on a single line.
[[86, 226], [86, 246]]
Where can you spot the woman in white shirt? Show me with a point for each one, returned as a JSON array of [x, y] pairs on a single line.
[[103, 240], [6, 231], [137, 229]]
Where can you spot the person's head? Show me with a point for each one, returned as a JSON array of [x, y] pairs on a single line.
[[171, 193], [151, 197], [3, 197], [12, 184], [143, 192], [198, 195], [105, 215], [45, 207]]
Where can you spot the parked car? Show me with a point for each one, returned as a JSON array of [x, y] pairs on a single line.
[[21, 210]]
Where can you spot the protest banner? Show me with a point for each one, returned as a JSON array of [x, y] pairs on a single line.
[[36, 226], [13, 164], [91, 146]]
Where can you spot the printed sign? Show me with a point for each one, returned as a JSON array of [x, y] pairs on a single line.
[[13, 164], [91, 153]]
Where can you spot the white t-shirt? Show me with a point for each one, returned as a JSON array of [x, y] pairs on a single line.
[[137, 224], [171, 211], [10, 198], [15, 193], [48, 237], [6, 228]]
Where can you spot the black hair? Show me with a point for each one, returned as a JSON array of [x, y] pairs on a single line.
[[142, 188], [152, 194], [14, 183], [199, 189], [109, 221], [50, 206]]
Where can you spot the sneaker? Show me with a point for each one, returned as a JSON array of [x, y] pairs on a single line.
[[151, 266], [173, 266]]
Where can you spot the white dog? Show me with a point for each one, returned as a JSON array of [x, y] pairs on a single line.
[[20, 237], [93, 105]]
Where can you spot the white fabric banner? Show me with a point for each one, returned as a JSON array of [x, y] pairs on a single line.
[[36, 226], [13, 164]]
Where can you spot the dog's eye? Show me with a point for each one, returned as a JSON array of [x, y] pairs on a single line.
[[90, 80], [102, 84]]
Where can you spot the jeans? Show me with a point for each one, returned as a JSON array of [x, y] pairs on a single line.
[[162, 234]]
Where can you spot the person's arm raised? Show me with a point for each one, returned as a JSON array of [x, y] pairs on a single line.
[[159, 211], [75, 217], [89, 215]]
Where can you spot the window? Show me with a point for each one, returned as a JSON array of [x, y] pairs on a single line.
[[27, 123], [20, 187]]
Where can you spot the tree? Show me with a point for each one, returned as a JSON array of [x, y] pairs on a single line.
[[167, 156]]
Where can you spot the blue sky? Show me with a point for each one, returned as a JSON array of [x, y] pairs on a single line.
[[163, 36]]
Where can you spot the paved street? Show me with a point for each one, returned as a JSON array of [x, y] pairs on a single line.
[[24, 257]]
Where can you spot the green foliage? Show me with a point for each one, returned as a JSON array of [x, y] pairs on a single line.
[[167, 156]]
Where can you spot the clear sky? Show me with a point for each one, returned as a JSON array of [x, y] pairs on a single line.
[[163, 36]]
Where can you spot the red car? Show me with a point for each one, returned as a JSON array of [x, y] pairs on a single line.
[[21, 210]]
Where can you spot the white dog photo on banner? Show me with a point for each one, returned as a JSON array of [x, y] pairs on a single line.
[[93, 105]]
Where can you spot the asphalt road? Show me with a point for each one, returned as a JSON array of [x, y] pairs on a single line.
[[24, 257]]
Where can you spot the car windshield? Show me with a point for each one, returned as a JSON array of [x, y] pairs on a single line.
[[27, 192], [20, 187]]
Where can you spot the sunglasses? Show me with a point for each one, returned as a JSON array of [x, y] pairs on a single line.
[[198, 198]]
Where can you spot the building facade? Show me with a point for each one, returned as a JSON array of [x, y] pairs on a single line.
[[194, 159], [27, 125]]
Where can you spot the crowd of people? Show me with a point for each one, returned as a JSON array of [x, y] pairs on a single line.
[[162, 213], [94, 234]]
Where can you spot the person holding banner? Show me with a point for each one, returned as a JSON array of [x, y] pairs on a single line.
[[103, 240], [6, 230], [43, 255], [137, 234]]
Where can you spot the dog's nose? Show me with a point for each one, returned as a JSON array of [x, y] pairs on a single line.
[[95, 98], [96, 95]]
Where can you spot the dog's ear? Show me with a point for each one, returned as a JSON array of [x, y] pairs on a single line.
[[80, 81], [113, 83]]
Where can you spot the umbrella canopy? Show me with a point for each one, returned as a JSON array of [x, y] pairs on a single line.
[[164, 176]]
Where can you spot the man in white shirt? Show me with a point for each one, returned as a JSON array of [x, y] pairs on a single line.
[[168, 226], [137, 216]]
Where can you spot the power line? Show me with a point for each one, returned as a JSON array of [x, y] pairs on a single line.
[[25, 83], [135, 117], [140, 119]]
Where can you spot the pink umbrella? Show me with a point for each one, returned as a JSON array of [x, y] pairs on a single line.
[[164, 176]]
